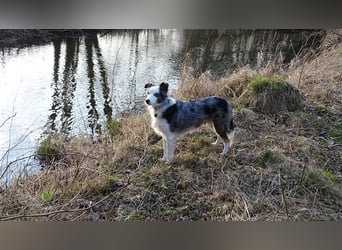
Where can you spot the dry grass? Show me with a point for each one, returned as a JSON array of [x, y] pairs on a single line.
[[287, 169], [321, 79]]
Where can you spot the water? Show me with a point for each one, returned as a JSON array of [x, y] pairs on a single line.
[[72, 86]]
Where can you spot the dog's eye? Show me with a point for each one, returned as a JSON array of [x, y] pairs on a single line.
[[157, 95], [148, 92]]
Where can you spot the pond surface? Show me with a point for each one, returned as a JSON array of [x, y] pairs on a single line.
[[73, 85]]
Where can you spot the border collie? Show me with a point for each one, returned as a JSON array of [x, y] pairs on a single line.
[[171, 118]]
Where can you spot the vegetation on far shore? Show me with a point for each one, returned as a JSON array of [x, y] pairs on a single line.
[[285, 163]]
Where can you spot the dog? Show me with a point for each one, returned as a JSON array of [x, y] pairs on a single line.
[[170, 117]]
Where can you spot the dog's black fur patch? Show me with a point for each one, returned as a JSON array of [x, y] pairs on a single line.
[[231, 125], [170, 112]]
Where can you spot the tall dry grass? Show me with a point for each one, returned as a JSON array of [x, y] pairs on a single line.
[[320, 79]]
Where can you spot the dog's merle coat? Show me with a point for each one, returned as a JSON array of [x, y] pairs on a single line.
[[170, 117]]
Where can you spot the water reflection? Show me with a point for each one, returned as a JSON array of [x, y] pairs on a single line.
[[104, 80], [64, 104], [223, 52]]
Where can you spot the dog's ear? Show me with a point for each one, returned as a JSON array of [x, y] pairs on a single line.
[[148, 85], [164, 87]]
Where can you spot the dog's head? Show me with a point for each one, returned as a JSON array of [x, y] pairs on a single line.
[[156, 94]]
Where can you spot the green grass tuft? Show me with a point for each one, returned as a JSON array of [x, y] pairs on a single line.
[[329, 175], [45, 151], [262, 84], [336, 133], [265, 158], [113, 127], [46, 196]]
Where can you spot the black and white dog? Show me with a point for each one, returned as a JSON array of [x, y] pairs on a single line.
[[171, 118]]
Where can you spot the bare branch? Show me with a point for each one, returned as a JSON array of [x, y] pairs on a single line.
[[8, 119]]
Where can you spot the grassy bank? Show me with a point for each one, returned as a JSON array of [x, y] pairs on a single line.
[[283, 165]]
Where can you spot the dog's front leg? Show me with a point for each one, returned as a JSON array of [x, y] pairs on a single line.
[[164, 150], [170, 146]]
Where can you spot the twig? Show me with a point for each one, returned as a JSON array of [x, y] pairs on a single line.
[[212, 179], [224, 164], [12, 116], [260, 188], [12, 162], [66, 210], [315, 199], [283, 195], [246, 208], [301, 177]]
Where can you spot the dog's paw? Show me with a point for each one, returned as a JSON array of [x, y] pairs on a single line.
[[165, 160]]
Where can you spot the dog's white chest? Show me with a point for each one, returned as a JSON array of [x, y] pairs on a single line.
[[160, 126]]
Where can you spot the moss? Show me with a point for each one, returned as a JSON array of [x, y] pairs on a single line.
[[262, 84]]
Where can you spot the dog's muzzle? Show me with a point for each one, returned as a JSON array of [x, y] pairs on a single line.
[[148, 102]]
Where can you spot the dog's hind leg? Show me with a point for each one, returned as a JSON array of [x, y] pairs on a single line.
[[226, 147], [231, 132], [221, 130], [231, 137], [228, 142], [218, 136]]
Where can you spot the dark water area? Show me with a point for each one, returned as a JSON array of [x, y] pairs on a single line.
[[73, 84]]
